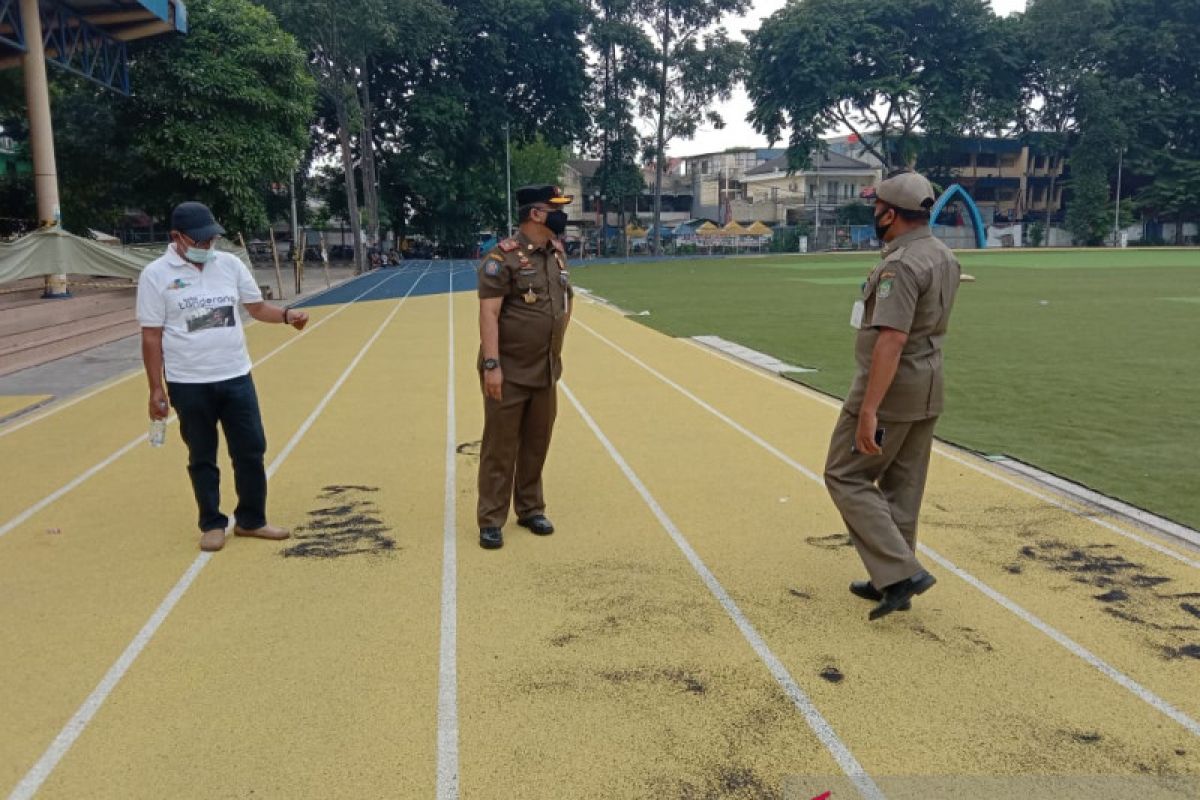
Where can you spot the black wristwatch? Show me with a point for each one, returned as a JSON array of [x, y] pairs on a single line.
[[490, 364]]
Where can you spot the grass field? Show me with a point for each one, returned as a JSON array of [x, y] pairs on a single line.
[[1083, 363]]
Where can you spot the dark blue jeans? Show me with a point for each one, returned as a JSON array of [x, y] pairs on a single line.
[[233, 404]]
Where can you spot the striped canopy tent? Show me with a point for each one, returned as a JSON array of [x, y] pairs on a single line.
[[759, 229], [634, 232], [708, 229], [732, 228]]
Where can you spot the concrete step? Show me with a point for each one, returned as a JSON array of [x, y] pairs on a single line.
[[49, 334], [52, 313], [12, 360]]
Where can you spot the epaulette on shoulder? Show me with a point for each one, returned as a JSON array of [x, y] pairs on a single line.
[[508, 245]]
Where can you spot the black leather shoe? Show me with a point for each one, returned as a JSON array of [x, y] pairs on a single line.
[[491, 538], [900, 593], [538, 524], [867, 591]]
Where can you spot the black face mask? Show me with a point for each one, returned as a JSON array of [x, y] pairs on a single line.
[[881, 230], [556, 221]]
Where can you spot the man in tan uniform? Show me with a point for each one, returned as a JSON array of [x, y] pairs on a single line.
[[524, 307], [879, 453]]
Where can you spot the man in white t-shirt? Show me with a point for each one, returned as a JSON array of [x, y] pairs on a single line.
[[187, 305]]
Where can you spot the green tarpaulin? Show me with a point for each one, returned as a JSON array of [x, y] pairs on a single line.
[[53, 252]]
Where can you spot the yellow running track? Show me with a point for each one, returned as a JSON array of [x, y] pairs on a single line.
[[685, 634]]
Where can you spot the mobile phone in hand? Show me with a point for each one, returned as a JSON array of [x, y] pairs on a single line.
[[878, 440]]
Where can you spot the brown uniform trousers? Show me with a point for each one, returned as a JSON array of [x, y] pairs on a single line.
[[879, 497], [535, 287]]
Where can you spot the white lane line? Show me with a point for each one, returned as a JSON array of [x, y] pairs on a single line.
[[944, 452], [1118, 677], [119, 379], [447, 741], [75, 726], [816, 721], [82, 477]]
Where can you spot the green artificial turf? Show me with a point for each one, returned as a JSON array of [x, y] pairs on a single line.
[[1083, 363]]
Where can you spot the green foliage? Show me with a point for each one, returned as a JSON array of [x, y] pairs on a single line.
[[1037, 234], [693, 67], [884, 69], [220, 113], [1093, 159], [855, 214], [217, 115], [537, 163]]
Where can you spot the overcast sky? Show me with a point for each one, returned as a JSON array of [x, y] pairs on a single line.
[[737, 132]]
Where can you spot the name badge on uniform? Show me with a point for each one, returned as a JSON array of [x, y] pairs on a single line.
[[856, 314]]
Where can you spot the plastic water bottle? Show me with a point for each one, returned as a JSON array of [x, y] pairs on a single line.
[[158, 432], [158, 429]]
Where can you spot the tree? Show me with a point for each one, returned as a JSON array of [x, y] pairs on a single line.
[[887, 70], [444, 116], [1064, 43], [1150, 67], [220, 113], [217, 115], [1093, 160], [693, 66], [537, 163], [624, 67], [341, 38]]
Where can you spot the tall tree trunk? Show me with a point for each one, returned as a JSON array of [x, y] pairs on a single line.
[[660, 144], [367, 146], [1049, 198], [343, 118]]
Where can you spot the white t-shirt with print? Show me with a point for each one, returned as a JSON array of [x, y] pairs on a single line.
[[203, 340]]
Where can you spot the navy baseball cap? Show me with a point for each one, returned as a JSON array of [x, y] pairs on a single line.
[[548, 194], [196, 221]]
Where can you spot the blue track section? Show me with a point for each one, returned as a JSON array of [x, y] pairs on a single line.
[[416, 278], [413, 278]]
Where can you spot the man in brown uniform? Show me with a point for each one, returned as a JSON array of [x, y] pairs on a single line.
[[524, 307], [879, 453]]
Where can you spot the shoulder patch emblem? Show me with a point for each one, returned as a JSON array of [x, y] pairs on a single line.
[[491, 267], [885, 289], [508, 245]]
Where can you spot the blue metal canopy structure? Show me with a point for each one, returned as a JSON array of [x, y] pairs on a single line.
[[89, 37]]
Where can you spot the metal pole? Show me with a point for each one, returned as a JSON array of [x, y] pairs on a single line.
[[1117, 215], [508, 178], [41, 135], [295, 219], [817, 226]]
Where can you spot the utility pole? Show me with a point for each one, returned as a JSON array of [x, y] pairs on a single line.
[[1117, 215], [295, 219], [508, 178], [817, 225]]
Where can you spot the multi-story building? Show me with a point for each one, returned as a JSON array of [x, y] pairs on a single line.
[[773, 194], [579, 179], [1008, 179], [717, 179]]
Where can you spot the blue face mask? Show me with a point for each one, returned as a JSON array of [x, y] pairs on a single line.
[[198, 255]]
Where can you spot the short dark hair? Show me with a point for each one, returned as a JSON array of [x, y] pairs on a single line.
[[913, 216], [523, 213]]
